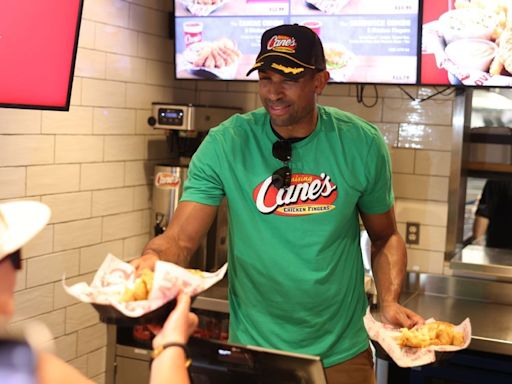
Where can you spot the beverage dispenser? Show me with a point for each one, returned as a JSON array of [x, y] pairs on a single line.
[[186, 126], [168, 182]]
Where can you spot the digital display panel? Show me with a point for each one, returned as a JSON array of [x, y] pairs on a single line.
[[466, 43], [38, 42], [365, 41]]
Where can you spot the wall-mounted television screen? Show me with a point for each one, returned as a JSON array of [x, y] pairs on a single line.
[[466, 43], [365, 41], [38, 42]]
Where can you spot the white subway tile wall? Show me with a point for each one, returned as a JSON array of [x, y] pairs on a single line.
[[102, 175], [66, 346], [48, 179], [425, 260], [78, 149], [96, 362], [77, 121], [80, 316], [93, 165], [80, 363], [76, 234], [92, 257], [91, 339], [54, 320], [402, 160], [133, 246], [115, 40], [41, 244], [33, 302], [114, 121], [69, 206], [20, 121], [39, 273], [13, 181], [432, 163], [26, 149], [21, 278], [90, 63]]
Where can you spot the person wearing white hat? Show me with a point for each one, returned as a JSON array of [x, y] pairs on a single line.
[[20, 221]]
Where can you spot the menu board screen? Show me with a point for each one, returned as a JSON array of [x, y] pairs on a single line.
[[365, 41], [38, 43], [467, 43]]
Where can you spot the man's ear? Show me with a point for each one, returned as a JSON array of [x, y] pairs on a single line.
[[322, 79]]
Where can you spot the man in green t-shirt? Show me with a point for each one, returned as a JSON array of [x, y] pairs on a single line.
[[297, 176]]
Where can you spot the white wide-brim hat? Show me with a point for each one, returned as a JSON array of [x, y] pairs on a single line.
[[20, 221]]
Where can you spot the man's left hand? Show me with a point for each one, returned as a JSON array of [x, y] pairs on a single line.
[[397, 315]]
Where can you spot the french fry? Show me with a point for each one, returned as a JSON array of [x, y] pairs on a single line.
[[505, 50], [496, 66]]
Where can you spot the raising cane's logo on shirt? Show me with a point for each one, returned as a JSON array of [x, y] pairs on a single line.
[[307, 195]]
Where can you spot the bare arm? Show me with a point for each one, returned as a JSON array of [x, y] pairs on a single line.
[[189, 224], [480, 229], [389, 263], [170, 366], [53, 370]]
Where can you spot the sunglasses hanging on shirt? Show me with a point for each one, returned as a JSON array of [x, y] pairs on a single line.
[[282, 177]]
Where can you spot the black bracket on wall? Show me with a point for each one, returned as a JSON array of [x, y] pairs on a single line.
[[170, 16]]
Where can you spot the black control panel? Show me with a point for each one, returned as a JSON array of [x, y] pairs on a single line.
[[170, 116]]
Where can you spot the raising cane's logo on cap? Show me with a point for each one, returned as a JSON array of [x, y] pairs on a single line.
[[307, 195], [165, 180], [281, 43]]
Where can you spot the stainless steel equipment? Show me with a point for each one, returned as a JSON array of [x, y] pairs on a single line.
[[167, 189], [483, 262], [128, 353], [490, 145], [188, 117], [186, 127]]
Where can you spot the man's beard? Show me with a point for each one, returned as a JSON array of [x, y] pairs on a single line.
[[281, 121], [293, 117]]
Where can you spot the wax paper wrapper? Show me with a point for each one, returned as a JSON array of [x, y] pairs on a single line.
[[114, 275], [406, 357]]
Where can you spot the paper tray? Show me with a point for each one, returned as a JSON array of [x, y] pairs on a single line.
[[384, 336], [440, 356], [110, 315], [112, 278]]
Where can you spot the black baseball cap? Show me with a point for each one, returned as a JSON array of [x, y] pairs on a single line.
[[290, 49]]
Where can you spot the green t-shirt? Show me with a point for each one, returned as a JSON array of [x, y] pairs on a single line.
[[296, 277]]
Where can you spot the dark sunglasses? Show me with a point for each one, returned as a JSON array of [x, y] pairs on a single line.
[[282, 177], [15, 259]]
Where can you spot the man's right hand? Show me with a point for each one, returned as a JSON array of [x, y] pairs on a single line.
[[146, 261], [189, 225]]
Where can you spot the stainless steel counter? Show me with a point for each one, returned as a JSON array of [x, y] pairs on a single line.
[[491, 324], [488, 304], [214, 299], [484, 262]]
